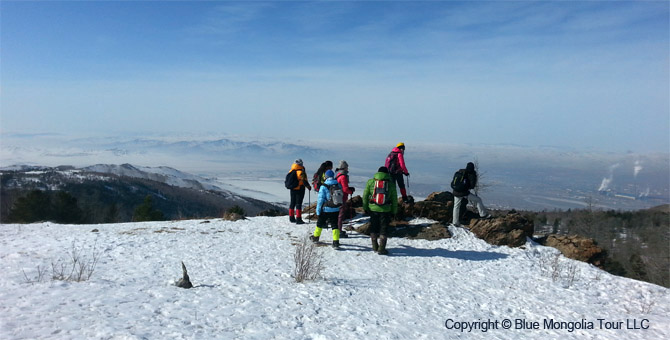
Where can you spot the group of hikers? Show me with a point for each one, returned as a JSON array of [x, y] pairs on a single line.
[[379, 197]]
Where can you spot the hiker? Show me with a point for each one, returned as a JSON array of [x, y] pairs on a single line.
[[298, 192], [328, 208], [320, 175], [380, 202], [395, 163], [463, 181], [342, 177]]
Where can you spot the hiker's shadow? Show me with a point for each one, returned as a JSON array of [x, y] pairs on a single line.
[[355, 247], [467, 255]]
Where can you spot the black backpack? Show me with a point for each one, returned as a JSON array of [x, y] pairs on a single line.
[[460, 181], [392, 161], [291, 180]]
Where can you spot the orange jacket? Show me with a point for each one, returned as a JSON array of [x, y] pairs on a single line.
[[302, 176]]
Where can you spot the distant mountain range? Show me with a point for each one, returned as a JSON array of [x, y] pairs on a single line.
[[521, 177]]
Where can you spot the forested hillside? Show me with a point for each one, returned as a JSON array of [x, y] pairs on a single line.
[[638, 242], [69, 196]]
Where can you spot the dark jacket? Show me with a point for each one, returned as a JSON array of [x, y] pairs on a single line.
[[471, 181]]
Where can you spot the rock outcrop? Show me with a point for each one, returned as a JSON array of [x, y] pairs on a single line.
[[510, 230], [576, 247], [437, 206], [429, 232]]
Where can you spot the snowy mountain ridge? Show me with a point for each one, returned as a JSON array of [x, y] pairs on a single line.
[[121, 188], [520, 177], [161, 174], [460, 287]]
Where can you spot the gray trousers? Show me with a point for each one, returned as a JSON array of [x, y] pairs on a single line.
[[481, 209]]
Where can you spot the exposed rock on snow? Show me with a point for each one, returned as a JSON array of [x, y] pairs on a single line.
[[185, 281], [438, 206], [511, 230], [423, 231], [442, 197], [576, 247]]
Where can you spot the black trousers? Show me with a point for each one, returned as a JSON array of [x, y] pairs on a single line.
[[399, 180], [379, 222], [296, 198], [326, 218]]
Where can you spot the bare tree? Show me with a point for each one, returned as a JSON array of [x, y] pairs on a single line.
[[482, 185]]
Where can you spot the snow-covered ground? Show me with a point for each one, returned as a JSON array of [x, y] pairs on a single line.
[[242, 272]]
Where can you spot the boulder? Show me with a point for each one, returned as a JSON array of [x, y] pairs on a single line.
[[310, 212], [576, 247], [510, 230], [356, 201], [443, 197], [433, 210], [437, 206], [430, 232]]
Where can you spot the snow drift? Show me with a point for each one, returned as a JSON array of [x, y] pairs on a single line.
[[460, 287]]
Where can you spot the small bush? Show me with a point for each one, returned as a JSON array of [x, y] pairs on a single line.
[[74, 268], [236, 209], [308, 261]]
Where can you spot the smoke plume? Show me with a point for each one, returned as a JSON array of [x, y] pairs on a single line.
[[607, 181]]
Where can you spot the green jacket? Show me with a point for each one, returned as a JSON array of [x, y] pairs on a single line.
[[393, 195]]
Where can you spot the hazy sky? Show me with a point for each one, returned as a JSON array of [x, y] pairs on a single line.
[[589, 75]]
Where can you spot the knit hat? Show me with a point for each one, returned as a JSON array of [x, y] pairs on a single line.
[[383, 169], [400, 145], [330, 174], [470, 167], [343, 165], [298, 161]]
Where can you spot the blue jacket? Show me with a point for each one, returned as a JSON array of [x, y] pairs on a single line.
[[324, 196]]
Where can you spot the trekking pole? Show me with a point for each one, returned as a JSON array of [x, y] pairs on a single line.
[[408, 190], [309, 204]]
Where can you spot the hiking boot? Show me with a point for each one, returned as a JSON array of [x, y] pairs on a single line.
[[375, 245], [487, 217], [299, 221], [292, 219], [343, 234], [314, 239], [382, 246], [336, 244]]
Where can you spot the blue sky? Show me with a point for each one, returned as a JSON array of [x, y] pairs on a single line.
[[584, 75]]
